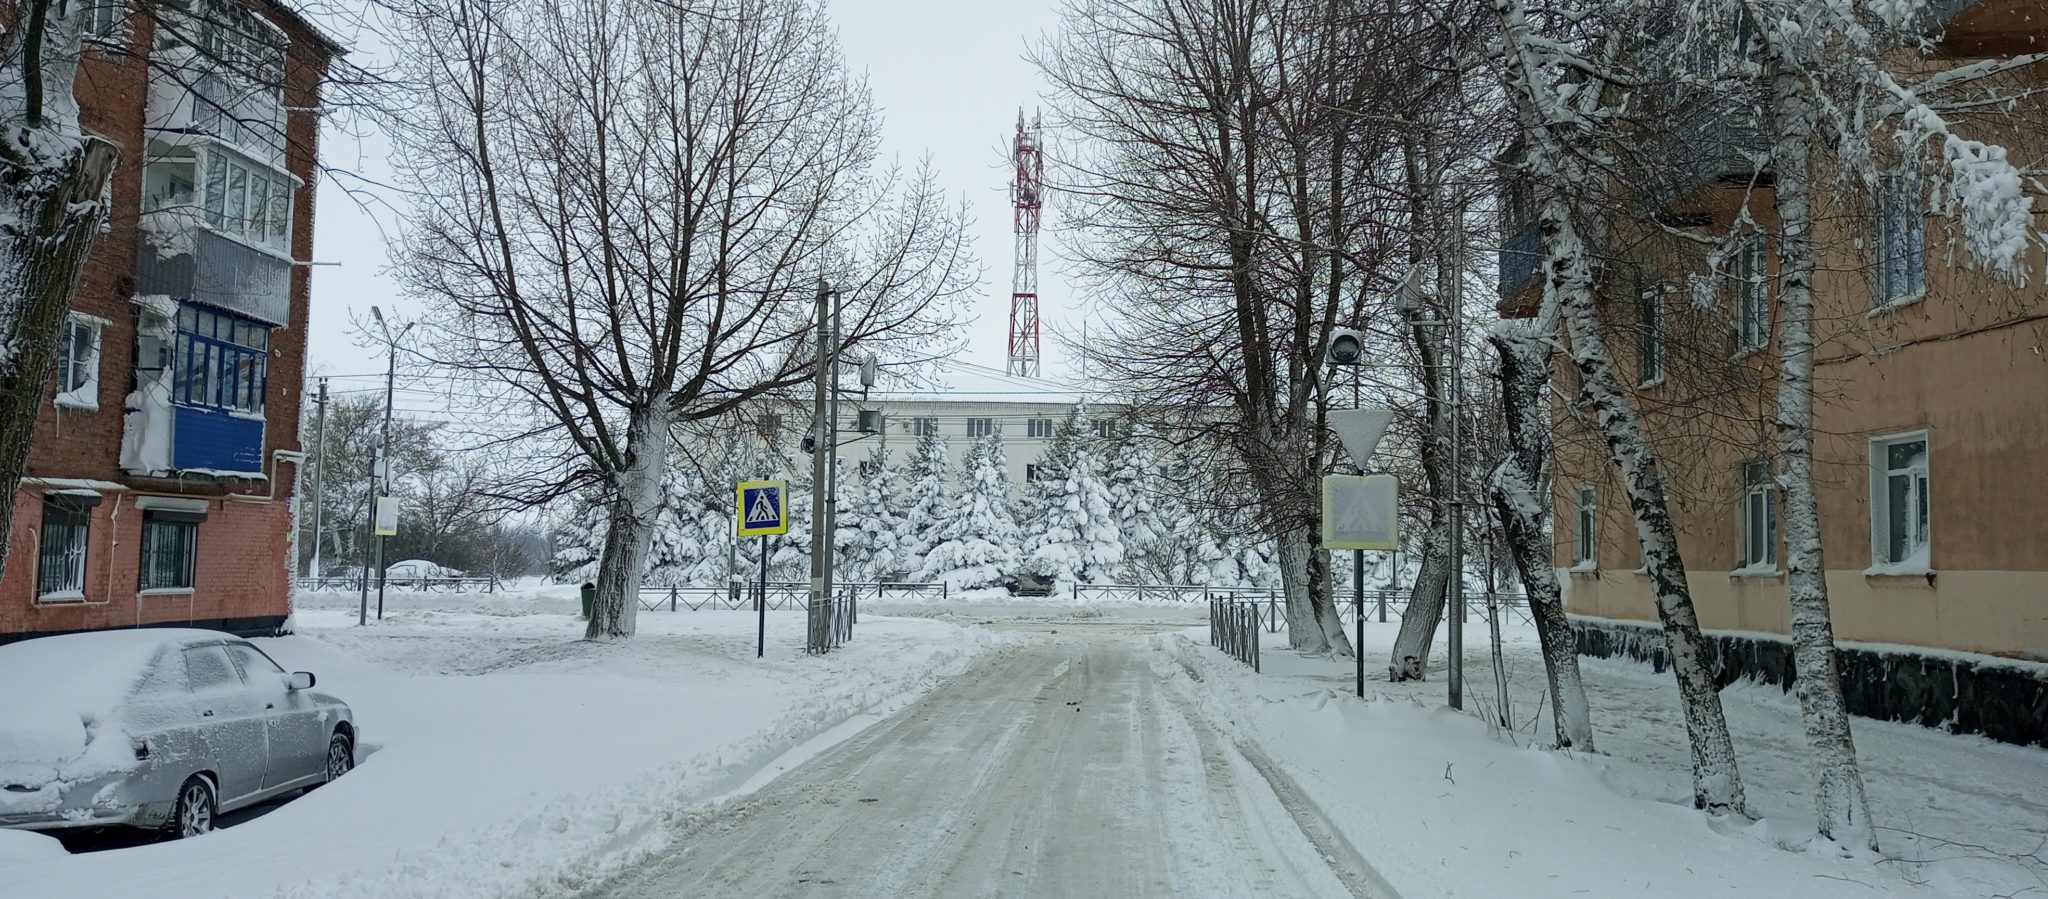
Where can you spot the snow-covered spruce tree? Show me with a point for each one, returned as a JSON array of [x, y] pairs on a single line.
[[927, 499], [1070, 534], [1132, 474], [978, 540], [631, 238], [877, 552], [51, 177], [1559, 124]]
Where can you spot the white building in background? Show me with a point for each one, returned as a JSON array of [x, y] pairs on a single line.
[[958, 401]]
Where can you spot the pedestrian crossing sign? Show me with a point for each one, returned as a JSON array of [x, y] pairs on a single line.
[[762, 509]]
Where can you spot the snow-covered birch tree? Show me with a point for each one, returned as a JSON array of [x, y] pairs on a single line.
[[623, 212], [1563, 92], [1854, 115]]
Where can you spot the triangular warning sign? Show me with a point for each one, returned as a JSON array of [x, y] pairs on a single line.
[[761, 508]]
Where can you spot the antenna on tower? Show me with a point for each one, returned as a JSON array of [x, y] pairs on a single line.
[[1027, 195]]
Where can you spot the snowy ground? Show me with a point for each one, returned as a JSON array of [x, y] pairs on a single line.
[[1444, 805], [1057, 766], [505, 756]]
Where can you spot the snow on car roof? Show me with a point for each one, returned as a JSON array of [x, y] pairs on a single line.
[[88, 673], [80, 682]]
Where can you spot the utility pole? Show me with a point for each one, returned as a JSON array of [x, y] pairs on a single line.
[[1455, 620], [820, 540], [383, 469], [831, 447], [319, 476]]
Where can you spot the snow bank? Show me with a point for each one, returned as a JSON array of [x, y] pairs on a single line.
[[1444, 804], [19, 846], [502, 755]]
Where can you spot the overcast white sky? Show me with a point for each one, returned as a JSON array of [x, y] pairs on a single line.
[[949, 76]]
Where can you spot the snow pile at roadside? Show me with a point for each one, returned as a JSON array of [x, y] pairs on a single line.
[[503, 756], [1443, 804]]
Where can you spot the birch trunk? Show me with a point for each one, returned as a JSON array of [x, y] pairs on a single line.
[[1520, 500], [1556, 132], [1842, 810], [1717, 785], [630, 528]]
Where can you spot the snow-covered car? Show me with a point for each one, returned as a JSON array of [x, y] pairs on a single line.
[[413, 572], [158, 728]]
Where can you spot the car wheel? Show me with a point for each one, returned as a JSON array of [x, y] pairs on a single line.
[[341, 756], [192, 813]]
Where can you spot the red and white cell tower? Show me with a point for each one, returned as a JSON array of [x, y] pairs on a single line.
[[1027, 194]]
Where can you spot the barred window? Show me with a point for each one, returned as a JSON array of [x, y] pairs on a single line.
[[60, 553], [170, 550]]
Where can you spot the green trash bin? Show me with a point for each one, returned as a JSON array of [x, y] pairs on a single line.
[[589, 599]]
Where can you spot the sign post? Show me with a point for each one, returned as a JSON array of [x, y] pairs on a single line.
[[761, 509], [1361, 513]]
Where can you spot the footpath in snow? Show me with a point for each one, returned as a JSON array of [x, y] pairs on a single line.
[[503, 755], [1443, 804]]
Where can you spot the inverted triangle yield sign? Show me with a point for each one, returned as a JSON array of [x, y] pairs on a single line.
[[1361, 430]]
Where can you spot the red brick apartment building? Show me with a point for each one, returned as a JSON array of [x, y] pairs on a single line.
[[160, 487]]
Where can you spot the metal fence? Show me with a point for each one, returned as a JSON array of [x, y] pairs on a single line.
[[1167, 593], [349, 582], [1387, 605], [782, 595], [1234, 628], [832, 621]]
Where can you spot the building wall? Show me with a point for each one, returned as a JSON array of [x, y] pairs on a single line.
[[1967, 364], [899, 438], [239, 583], [241, 574]]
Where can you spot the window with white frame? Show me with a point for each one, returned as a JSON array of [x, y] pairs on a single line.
[[1585, 537], [924, 427], [1031, 473], [1039, 427], [103, 20], [1899, 500], [1756, 531], [78, 374], [1650, 336], [60, 547], [247, 200], [980, 427], [1901, 239], [1105, 429], [1752, 294]]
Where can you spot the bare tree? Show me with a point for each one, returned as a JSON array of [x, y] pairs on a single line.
[[1233, 182], [51, 177], [626, 209]]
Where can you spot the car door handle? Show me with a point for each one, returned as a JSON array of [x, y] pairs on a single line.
[[206, 714], [269, 705]]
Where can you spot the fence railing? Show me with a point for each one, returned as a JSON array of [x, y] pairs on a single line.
[[1234, 628], [347, 582], [832, 620], [782, 595]]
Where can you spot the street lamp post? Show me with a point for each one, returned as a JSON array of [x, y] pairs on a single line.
[[383, 471]]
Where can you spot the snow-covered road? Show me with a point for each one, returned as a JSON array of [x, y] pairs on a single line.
[[1056, 766]]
